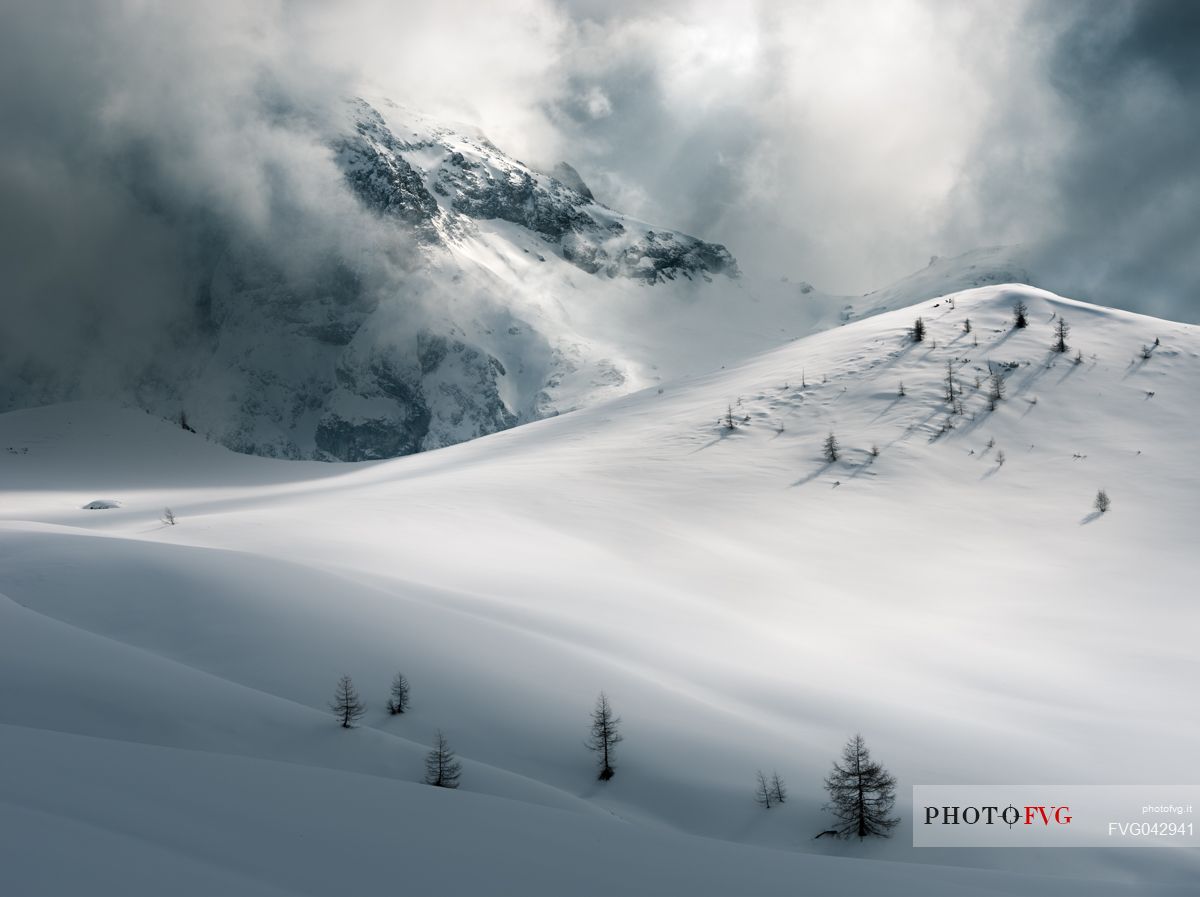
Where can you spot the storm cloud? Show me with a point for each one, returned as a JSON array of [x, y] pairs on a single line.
[[137, 140], [845, 143], [1123, 217], [840, 143]]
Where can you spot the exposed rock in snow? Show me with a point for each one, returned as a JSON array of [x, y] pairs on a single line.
[[569, 177]]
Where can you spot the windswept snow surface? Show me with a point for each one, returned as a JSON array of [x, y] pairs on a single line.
[[743, 603]]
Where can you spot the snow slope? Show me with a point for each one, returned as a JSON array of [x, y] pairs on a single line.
[[743, 603]]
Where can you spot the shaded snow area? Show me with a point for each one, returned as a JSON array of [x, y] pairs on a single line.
[[744, 603]]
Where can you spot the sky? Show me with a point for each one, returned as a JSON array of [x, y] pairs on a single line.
[[842, 142]]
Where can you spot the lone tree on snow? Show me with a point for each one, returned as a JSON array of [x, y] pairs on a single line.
[[168, 517], [604, 736], [831, 450], [967, 326], [442, 770], [398, 702], [1061, 330], [1102, 502], [345, 704], [918, 330], [861, 793], [900, 392], [1020, 310]]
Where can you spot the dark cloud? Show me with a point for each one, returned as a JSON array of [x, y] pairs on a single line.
[[1099, 46], [1125, 224], [137, 142]]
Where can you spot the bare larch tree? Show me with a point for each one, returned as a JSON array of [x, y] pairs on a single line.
[[442, 769], [345, 704], [778, 789], [604, 736], [398, 702], [762, 791]]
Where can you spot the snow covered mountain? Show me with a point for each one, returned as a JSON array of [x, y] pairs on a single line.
[[420, 329], [453, 292], [945, 587], [440, 179]]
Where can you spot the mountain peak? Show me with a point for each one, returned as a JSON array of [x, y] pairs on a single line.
[[566, 174], [442, 179]]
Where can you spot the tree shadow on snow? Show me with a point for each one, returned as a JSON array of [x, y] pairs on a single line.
[[812, 476], [896, 400], [894, 357], [1134, 367], [1071, 369], [1084, 521], [722, 434], [1008, 334], [863, 469]]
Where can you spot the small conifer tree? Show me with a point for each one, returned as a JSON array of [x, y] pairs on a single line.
[[604, 736], [862, 793], [832, 450], [345, 704], [398, 702], [442, 769]]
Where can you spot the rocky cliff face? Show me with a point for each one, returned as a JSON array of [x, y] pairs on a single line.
[[473, 179], [343, 364]]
